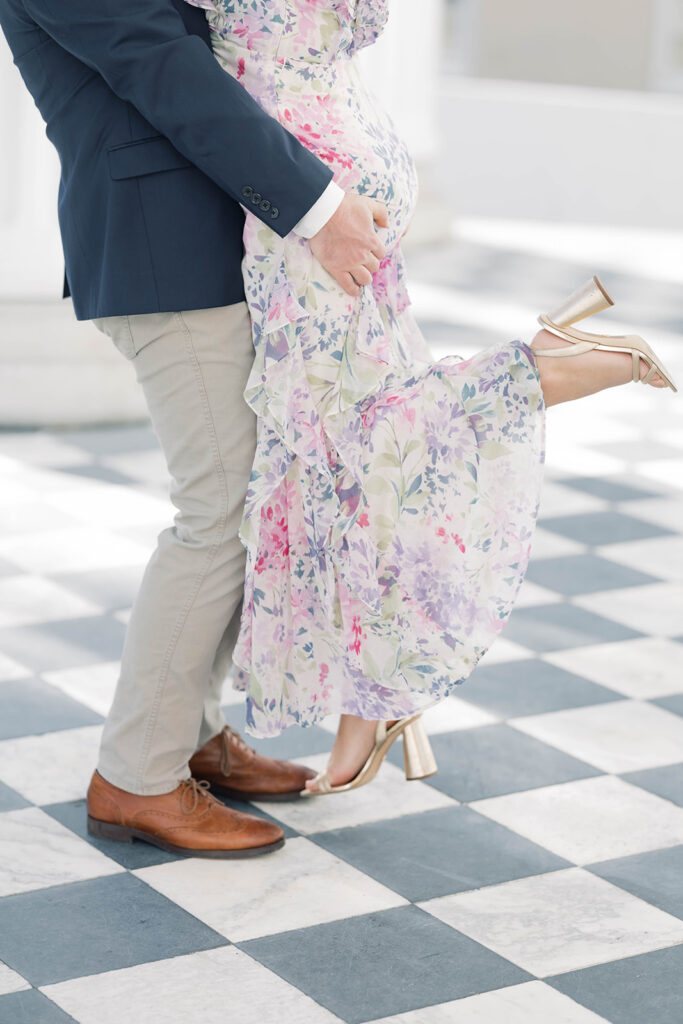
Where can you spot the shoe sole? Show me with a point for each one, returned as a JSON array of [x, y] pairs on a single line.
[[124, 834], [260, 798]]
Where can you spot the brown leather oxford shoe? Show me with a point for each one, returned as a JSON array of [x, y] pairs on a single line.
[[235, 770], [188, 821]]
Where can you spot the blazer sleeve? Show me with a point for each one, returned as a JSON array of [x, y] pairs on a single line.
[[143, 51]]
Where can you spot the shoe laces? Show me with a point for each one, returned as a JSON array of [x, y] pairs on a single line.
[[193, 792], [231, 734]]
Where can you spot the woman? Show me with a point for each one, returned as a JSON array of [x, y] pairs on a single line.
[[392, 499]]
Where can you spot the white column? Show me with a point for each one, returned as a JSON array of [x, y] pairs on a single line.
[[53, 370], [402, 69]]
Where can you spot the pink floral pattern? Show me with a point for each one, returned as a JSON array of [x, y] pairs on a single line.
[[392, 498]]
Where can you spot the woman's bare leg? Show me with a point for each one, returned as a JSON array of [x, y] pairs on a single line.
[[354, 740], [565, 379]]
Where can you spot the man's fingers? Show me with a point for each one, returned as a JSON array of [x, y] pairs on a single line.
[[379, 214], [361, 275], [371, 263], [347, 283], [378, 249]]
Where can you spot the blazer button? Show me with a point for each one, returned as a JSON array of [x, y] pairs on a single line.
[[265, 205], [256, 198], [247, 191], [274, 212]]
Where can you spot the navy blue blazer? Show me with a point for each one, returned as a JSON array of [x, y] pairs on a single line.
[[158, 147]]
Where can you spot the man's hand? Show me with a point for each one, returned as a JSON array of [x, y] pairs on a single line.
[[348, 246]]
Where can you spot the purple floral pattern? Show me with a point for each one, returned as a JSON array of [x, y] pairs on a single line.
[[392, 498]]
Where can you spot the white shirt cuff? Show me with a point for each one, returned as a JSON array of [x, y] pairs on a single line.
[[321, 211]]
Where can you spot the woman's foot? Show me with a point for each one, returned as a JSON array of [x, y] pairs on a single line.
[[563, 380], [353, 745]]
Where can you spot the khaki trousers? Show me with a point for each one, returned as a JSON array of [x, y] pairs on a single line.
[[193, 368]]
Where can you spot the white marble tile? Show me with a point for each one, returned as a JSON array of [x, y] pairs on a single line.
[[389, 795], [28, 599], [661, 556], [665, 471], [572, 458], [557, 500], [10, 669], [30, 517], [504, 650], [618, 736], [301, 886], [656, 609], [74, 550], [666, 512], [546, 544], [38, 448], [589, 820], [114, 506], [531, 594], [92, 685], [147, 466], [10, 981], [644, 668], [560, 921], [217, 986], [51, 768], [532, 1002], [454, 713], [39, 852]]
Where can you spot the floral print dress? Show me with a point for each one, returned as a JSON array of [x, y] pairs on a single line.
[[393, 498]]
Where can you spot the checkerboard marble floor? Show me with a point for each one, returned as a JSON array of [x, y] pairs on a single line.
[[537, 878]]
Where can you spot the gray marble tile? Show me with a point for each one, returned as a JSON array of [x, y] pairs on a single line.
[[10, 800], [31, 1007], [111, 589], [597, 528], [112, 440], [556, 627], [73, 815], [630, 990], [610, 489], [666, 782], [70, 931], [674, 703], [654, 877], [65, 644], [584, 574], [30, 706], [532, 686], [422, 962], [295, 742], [439, 852], [495, 759]]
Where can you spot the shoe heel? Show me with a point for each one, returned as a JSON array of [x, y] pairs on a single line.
[[107, 830], [591, 298], [417, 752]]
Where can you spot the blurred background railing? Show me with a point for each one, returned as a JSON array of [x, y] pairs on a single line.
[[535, 126]]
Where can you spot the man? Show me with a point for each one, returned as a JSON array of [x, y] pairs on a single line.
[[158, 147]]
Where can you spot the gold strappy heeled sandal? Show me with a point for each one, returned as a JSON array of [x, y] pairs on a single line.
[[593, 298], [417, 755]]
